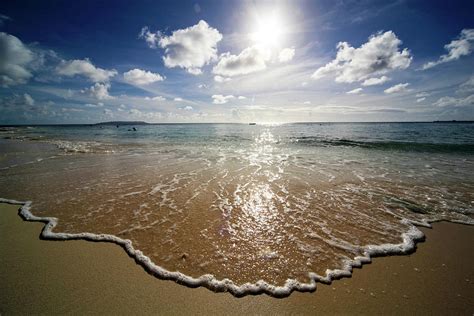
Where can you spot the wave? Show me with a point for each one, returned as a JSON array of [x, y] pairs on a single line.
[[84, 147], [387, 145], [408, 245]]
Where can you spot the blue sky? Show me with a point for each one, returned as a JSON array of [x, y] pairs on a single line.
[[225, 61]]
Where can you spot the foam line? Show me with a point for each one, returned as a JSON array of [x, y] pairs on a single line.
[[226, 285]]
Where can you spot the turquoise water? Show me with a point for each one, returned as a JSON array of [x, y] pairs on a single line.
[[426, 136]]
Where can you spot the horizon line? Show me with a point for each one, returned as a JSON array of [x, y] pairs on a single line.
[[243, 123]]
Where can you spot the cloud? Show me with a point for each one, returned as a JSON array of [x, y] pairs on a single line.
[[355, 91], [375, 81], [190, 48], [387, 110], [241, 97], [157, 98], [197, 8], [84, 68], [187, 108], [108, 112], [456, 102], [92, 105], [456, 49], [4, 18], [401, 87], [152, 39], [141, 77], [100, 91], [466, 87], [28, 99], [16, 101], [286, 54], [380, 55], [221, 99], [135, 112], [15, 59], [178, 99], [221, 79], [422, 95], [420, 99], [250, 60]]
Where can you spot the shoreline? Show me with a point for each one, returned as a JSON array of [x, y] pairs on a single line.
[[410, 238], [41, 276]]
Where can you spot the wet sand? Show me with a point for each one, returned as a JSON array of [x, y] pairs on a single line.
[[57, 277]]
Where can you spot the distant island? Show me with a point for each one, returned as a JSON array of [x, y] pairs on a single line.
[[123, 123], [453, 121]]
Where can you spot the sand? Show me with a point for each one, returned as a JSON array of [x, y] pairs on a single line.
[[58, 277]]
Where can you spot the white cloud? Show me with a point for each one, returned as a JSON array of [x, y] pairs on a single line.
[[93, 105], [178, 99], [422, 95], [307, 102], [157, 98], [401, 87], [250, 60], [84, 68], [456, 49], [221, 79], [15, 58], [241, 97], [150, 38], [221, 99], [355, 91], [466, 87], [286, 54], [451, 101], [141, 77], [135, 112], [378, 56], [187, 108], [190, 48], [375, 81], [28, 99], [420, 99], [100, 91]]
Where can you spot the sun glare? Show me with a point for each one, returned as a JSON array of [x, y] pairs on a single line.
[[268, 31]]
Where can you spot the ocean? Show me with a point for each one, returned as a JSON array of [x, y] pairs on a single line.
[[243, 208]]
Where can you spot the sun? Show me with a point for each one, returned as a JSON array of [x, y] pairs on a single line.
[[268, 31]]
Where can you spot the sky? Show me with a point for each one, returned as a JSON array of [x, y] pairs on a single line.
[[236, 61]]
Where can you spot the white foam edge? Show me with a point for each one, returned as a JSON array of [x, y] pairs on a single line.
[[226, 285]]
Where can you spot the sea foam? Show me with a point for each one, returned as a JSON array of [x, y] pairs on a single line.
[[408, 245]]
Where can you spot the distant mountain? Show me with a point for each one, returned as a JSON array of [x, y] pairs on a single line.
[[123, 123]]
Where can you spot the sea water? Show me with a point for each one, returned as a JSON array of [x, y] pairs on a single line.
[[243, 208]]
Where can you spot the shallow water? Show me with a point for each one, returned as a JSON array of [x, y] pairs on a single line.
[[246, 203]]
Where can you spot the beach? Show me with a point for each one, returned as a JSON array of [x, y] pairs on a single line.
[[243, 209], [74, 276], [237, 157]]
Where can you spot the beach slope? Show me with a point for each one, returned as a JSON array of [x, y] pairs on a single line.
[[41, 277]]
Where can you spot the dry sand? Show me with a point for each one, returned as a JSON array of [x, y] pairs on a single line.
[[57, 277]]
